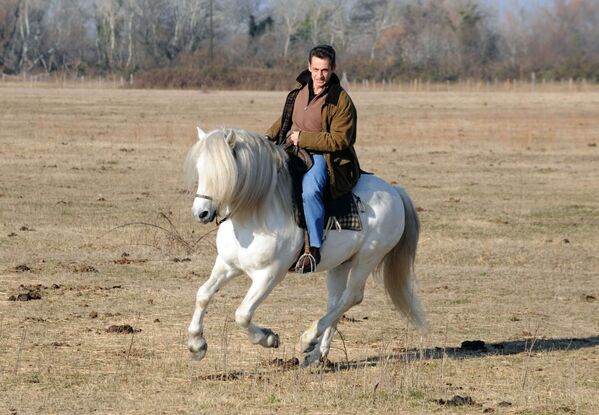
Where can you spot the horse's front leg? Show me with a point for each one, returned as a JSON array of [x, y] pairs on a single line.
[[263, 282], [220, 275]]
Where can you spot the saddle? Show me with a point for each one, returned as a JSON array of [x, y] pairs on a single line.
[[340, 213]]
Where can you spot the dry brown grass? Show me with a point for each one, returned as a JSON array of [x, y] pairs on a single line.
[[506, 186]]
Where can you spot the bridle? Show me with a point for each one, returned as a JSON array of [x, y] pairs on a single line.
[[218, 221], [204, 197]]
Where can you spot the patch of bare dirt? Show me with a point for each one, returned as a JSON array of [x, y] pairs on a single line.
[[123, 260], [224, 377], [23, 268], [26, 296], [126, 259], [123, 328], [30, 292], [84, 268], [457, 400], [285, 364]]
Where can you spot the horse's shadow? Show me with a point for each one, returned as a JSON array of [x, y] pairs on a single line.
[[470, 350], [467, 350]]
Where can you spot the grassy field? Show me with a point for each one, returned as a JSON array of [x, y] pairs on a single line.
[[95, 221]]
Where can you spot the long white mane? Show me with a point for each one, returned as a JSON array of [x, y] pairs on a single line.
[[242, 171]]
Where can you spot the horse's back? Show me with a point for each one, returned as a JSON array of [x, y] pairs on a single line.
[[371, 186], [383, 206]]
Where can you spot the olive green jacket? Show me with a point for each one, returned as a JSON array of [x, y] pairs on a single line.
[[336, 141]]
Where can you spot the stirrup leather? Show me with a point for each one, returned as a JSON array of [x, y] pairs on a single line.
[[307, 261]]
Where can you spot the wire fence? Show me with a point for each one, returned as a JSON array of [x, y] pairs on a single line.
[[533, 85]]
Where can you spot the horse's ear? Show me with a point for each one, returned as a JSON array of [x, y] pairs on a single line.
[[230, 138], [201, 133]]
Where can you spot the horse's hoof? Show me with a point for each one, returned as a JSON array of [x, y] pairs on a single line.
[[198, 348], [312, 357], [302, 347], [269, 339], [272, 340]]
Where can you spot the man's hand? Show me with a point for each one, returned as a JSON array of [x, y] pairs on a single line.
[[294, 137]]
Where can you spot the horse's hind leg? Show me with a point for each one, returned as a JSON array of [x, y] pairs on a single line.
[[336, 283], [220, 275], [263, 282], [352, 295]]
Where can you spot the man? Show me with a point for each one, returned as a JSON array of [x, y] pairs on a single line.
[[320, 117]]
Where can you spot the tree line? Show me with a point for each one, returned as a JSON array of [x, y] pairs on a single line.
[[231, 43]]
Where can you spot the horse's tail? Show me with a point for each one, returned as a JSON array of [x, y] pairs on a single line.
[[397, 267]]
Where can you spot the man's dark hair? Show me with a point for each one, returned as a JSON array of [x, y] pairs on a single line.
[[323, 52]]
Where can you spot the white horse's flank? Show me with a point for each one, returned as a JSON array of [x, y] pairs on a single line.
[[244, 176]]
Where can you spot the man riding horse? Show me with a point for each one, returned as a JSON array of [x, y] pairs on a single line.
[[320, 117]]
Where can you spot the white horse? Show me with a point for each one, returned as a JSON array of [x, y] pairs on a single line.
[[244, 177]]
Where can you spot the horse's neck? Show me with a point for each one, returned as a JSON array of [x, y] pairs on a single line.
[[274, 218], [277, 213]]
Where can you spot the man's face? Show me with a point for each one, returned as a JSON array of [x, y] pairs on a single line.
[[321, 71]]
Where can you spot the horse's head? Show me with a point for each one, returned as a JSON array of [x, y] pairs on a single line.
[[210, 162], [236, 172]]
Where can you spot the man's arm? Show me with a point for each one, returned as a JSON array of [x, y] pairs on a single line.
[[273, 132]]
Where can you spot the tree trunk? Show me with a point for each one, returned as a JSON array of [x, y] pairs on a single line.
[[130, 40], [25, 34]]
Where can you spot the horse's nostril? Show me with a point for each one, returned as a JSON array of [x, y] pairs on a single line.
[[203, 214]]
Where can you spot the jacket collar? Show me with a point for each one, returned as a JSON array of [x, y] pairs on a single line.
[[334, 85]]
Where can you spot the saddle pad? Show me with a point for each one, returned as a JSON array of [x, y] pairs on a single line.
[[343, 213]]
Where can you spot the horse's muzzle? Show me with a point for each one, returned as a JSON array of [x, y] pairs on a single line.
[[206, 216]]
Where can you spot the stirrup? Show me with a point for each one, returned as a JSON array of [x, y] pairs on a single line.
[[306, 264]]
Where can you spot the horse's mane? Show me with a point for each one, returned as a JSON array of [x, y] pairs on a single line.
[[242, 171]]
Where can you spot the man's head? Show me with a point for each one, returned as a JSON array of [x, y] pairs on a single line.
[[321, 64]]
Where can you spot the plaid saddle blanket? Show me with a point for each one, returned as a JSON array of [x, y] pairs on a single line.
[[340, 213], [344, 213]]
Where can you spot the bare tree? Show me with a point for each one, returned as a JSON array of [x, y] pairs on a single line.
[[9, 23], [440, 39], [292, 15], [66, 41], [108, 17], [374, 17]]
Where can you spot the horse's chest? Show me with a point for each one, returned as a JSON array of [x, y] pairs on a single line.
[[246, 249]]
